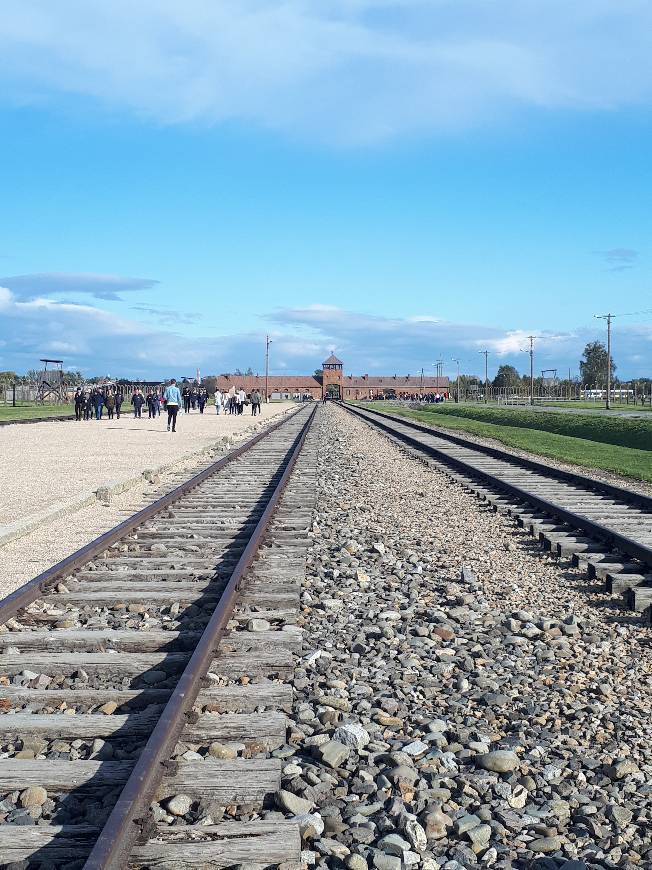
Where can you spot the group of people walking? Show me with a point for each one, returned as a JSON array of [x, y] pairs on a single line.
[[235, 401], [194, 397], [90, 404]]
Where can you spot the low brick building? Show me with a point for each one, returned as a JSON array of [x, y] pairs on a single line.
[[335, 383]]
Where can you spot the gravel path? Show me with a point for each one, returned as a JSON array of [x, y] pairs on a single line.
[[22, 559], [50, 462], [498, 718]]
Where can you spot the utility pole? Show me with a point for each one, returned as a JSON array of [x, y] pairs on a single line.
[[268, 341], [608, 318], [422, 380], [458, 379], [486, 374], [531, 337]]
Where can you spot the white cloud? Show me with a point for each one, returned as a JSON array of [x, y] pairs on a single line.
[[98, 341], [343, 70]]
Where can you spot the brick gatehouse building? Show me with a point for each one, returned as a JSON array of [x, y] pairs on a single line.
[[335, 383]]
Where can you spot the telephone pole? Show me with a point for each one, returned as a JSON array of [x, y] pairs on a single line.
[[458, 379], [608, 318], [531, 337], [268, 341], [486, 374]]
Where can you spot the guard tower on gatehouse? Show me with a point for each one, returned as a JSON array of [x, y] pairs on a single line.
[[332, 378]]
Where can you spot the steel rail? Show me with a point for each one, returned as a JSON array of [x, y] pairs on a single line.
[[601, 486], [128, 820], [33, 589], [612, 538]]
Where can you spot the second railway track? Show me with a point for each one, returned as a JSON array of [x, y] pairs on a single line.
[[142, 679], [605, 527]]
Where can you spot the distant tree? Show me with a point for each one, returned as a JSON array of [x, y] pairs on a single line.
[[210, 384], [238, 372], [593, 365], [506, 378], [249, 371], [319, 373]]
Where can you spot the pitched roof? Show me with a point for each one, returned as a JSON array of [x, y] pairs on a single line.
[[332, 361]]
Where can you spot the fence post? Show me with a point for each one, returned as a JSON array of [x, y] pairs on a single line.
[[13, 395]]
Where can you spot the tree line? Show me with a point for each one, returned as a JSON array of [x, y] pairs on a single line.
[[593, 373]]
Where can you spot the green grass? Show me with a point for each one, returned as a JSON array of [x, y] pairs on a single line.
[[28, 411], [620, 431], [502, 426], [586, 405]]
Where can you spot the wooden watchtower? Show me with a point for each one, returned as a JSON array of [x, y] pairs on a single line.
[[50, 383], [332, 378]]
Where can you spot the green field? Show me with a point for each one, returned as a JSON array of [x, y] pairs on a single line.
[[598, 406], [28, 411], [622, 446]]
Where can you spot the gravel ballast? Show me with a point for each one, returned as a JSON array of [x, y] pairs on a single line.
[[462, 698]]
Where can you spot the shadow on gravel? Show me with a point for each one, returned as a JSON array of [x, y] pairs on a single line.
[[90, 804]]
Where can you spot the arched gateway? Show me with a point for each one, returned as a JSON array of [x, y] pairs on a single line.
[[331, 379]]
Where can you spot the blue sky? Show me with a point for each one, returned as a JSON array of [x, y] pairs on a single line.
[[400, 181]]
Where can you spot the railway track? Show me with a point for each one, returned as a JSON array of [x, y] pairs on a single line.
[[605, 528], [142, 679]]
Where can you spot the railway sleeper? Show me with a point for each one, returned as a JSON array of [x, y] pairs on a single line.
[[252, 844], [264, 729], [235, 697]]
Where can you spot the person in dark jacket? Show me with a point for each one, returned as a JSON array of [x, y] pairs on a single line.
[[98, 403], [119, 399], [109, 402], [137, 400], [202, 398], [152, 401], [79, 404]]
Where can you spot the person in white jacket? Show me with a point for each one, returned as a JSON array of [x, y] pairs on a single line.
[[218, 402]]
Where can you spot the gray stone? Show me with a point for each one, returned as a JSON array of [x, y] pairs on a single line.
[[416, 835], [436, 824], [179, 805], [392, 844], [294, 804], [383, 861], [620, 815], [466, 823], [222, 750], [352, 734], [498, 761], [334, 753], [310, 824], [546, 844], [258, 625]]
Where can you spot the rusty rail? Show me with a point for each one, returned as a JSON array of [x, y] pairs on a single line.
[[128, 821]]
